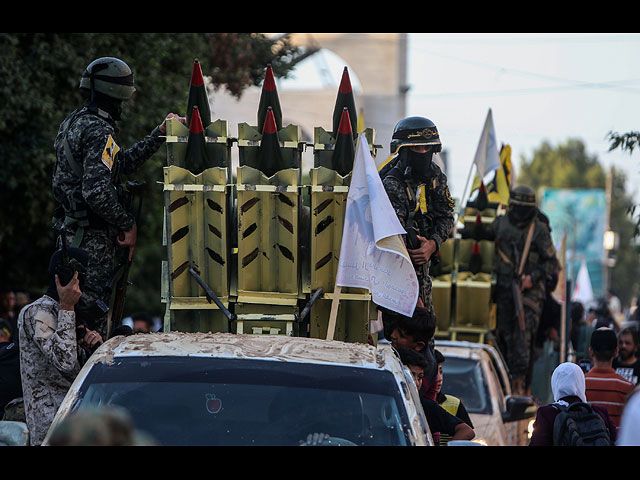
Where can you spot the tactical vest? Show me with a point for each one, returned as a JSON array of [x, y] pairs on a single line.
[[420, 205], [74, 213]]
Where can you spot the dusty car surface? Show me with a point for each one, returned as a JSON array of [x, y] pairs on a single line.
[[476, 373], [232, 389]]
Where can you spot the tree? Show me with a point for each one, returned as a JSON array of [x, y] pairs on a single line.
[[41, 74], [570, 166], [627, 142]]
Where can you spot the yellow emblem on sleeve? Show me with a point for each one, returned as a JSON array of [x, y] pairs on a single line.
[[109, 152]]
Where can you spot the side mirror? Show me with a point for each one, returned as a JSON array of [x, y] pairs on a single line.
[[14, 434], [519, 408]]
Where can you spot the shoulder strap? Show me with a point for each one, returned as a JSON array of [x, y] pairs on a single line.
[[73, 163], [525, 252]]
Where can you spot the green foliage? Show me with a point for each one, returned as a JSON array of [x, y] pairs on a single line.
[[564, 166], [40, 77], [570, 166], [626, 141]]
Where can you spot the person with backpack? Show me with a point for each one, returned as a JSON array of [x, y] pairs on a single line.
[[570, 420]]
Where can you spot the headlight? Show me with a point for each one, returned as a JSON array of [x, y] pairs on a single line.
[[530, 428], [481, 441]]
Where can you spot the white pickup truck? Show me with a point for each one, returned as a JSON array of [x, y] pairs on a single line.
[[235, 389], [477, 374]]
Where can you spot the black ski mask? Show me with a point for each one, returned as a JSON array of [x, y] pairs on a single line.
[[420, 163], [112, 106], [521, 214]]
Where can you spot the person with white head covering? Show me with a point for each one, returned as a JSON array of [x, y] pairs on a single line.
[[568, 386], [567, 380]]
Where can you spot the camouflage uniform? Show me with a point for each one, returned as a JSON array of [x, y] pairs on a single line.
[[85, 183], [433, 217], [48, 361], [516, 345]]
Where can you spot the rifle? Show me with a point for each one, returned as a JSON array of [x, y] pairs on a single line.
[[516, 287], [120, 280], [412, 238]]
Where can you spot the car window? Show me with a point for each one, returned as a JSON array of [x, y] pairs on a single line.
[[464, 378], [203, 401]]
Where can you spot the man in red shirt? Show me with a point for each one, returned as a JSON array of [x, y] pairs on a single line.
[[604, 386]]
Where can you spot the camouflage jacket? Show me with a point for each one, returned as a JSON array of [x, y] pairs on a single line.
[[86, 187], [48, 361], [510, 241], [434, 209]]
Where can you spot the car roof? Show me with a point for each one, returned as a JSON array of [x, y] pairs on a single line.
[[232, 345], [463, 348]]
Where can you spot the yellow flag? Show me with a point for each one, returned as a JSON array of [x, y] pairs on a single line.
[[498, 188], [361, 120]]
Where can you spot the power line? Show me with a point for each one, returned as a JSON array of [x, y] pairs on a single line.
[[616, 84]]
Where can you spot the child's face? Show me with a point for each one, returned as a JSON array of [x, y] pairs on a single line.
[[439, 378], [418, 374], [400, 340]]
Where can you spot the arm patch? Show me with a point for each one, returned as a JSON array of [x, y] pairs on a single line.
[[109, 152]]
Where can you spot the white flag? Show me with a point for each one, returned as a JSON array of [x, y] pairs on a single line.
[[373, 254], [583, 292], [487, 157]]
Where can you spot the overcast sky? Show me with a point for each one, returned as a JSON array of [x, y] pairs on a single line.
[[539, 87]]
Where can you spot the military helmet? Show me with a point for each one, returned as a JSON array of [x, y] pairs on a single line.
[[415, 131], [110, 76], [523, 195]]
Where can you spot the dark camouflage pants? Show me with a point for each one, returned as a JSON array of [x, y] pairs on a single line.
[[101, 248], [425, 287], [516, 346]]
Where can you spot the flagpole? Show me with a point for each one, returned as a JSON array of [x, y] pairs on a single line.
[[337, 289], [334, 312], [462, 201]]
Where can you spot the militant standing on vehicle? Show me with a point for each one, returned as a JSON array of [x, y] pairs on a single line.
[[419, 194], [86, 178], [525, 258]]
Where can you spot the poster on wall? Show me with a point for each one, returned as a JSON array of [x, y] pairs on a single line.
[[581, 214]]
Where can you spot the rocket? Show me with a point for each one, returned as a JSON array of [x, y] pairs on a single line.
[[344, 149], [482, 200], [198, 96], [344, 100], [269, 157], [269, 99], [196, 157], [475, 262]]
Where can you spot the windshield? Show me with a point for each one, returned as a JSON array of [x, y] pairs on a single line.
[[204, 401], [463, 378]]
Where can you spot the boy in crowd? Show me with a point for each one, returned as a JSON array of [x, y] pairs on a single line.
[[604, 386], [416, 333], [440, 421], [451, 404]]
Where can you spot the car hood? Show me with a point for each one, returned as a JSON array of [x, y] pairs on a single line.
[[487, 428]]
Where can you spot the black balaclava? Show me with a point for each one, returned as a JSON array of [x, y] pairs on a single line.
[[521, 215], [420, 163], [112, 106]]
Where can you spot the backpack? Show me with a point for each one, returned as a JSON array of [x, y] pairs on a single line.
[[579, 425]]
